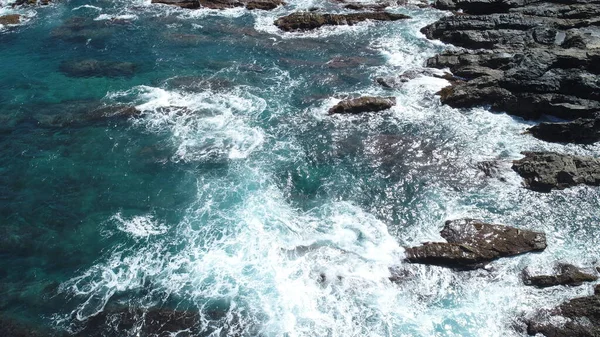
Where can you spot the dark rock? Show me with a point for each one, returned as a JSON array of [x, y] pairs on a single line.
[[363, 104], [10, 19], [472, 244], [264, 4], [13, 328], [223, 4], [567, 274], [92, 68], [581, 130], [489, 168], [544, 171], [308, 20], [189, 4], [582, 316], [87, 114]]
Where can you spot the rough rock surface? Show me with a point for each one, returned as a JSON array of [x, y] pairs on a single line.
[[223, 4], [566, 274], [472, 244], [363, 104], [309, 20], [582, 316], [525, 58], [581, 130], [96, 68], [10, 19], [544, 171]]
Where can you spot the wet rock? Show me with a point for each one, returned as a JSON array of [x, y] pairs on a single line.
[[10, 19], [490, 168], [524, 59], [96, 68], [303, 21], [87, 114], [223, 4], [472, 244], [581, 130], [544, 171], [580, 318], [363, 104], [397, 81], [566, 274]]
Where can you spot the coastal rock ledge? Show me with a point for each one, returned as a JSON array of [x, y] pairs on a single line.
[[303, 21], [545, 171], [472, 244]]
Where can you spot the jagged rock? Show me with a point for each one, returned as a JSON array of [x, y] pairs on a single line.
[[308, 20], [544, 171], [10, 19], [223, 4], [472, 244], [567, 274], [490, 168], [363, 104], [582, 316], [92, 68], [581, 130]]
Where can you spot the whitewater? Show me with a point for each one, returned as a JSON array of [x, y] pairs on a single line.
[[235, 191]]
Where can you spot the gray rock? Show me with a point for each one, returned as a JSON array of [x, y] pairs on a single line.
[[581, 130], [544, 171], [566, 274], [472, 244], [96, 68]]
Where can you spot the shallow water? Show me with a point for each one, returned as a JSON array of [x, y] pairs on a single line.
[[206, 200]]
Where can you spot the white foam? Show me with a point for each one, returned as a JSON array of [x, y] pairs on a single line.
[[103, 17], [139, 226]]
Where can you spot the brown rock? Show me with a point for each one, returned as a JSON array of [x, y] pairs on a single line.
[[10, 19], [308, 20], [363, 104], [567, 274]]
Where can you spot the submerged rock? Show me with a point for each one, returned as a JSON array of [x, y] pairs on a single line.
[[10, 19], [581, 318], [87, 114], [544, 171], [308, 20], [95, 68], [581, 130], [472, 244], [363, 104], [567, 274]]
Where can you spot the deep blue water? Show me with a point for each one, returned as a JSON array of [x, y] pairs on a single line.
[[199, 202]]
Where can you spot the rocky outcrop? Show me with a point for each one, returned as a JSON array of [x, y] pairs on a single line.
[[10, 19], [566, 274], [303, 21], [524, 58], [581, 318], [363, 104], [581, 131], [84, 116], [96, 68], [223, 4], [545, 171], [472, 244]]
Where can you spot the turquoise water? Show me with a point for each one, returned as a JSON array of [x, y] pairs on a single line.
[[201, 202]]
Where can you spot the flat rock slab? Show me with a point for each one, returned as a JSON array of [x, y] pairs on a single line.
[[303, 21], [363, 104], [545, 171], [566, 274], [223, 4], [472, 244], [10, 19], [581, 131]]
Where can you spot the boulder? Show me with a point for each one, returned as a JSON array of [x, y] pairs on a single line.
[[303, 21], [363, 104], [581, 318], [581, 131], [96, 68], [545, 171], [472, 244], [566, 274], [10, 19]]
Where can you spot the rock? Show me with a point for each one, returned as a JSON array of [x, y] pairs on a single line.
[[472, 244], [95, 68], [524, 59], [544, 171], [303, 21], [12, 328], [489, 168], [363, 104], [223, 4], [10, 19], [582, 316], [86, 114], [567, 274], [581, 130], [398, 81]]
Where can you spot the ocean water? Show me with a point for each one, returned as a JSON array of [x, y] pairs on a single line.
[[234, 190]]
